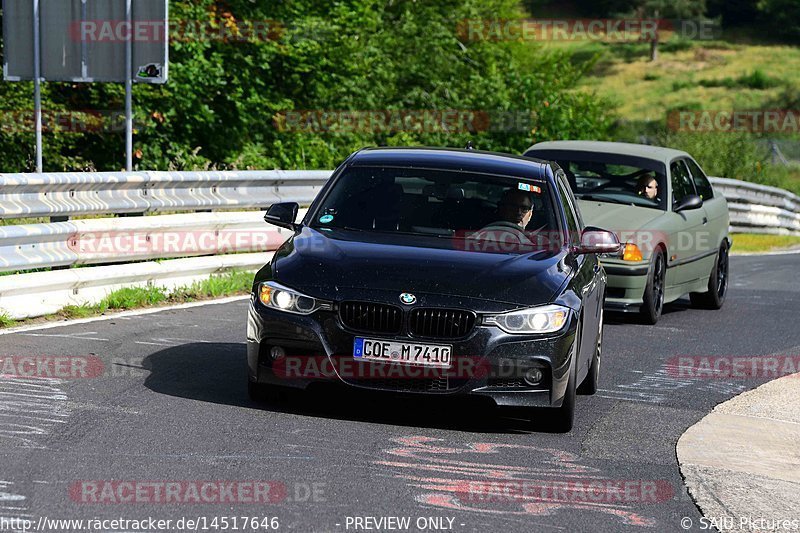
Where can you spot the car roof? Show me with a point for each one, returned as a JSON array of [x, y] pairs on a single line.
[[657, 153], [453, 159]]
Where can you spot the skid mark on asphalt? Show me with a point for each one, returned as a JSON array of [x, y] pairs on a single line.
[[83, 336], [659, 387], [13, 507], [557, 483], [171, 341], [29, 409]]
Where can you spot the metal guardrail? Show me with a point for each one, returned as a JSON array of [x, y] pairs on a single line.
[[758, 208], [81, 193], [215, 235], [42, 293], [117, 240]]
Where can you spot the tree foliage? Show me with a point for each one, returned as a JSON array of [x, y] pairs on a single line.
[[225, 99]]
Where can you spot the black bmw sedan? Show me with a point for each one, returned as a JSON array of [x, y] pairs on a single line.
[[435, 272]]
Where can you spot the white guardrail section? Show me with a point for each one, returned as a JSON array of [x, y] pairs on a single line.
[[173, 250], [758, 208], [99, 193], [225, 239]]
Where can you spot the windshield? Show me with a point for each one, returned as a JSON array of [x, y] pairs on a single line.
[[612, 178], [439, 203]]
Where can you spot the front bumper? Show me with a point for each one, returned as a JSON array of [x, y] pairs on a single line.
[[487, 363], [626, 284]]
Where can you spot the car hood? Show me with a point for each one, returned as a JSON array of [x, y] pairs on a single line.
[[621, 219], [338, 265]]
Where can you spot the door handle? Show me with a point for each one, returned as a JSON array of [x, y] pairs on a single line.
[[705, 220]]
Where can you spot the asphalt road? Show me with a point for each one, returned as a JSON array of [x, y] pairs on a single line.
[[169, 404]]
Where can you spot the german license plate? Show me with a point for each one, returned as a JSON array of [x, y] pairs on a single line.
[[403, 352]]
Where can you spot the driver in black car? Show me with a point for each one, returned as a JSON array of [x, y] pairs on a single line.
[[515, 208], [514, 212]]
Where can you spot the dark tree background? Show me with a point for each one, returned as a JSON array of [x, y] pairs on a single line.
[[219, 107]]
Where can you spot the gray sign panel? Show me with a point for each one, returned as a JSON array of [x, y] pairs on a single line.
[[86, 40]]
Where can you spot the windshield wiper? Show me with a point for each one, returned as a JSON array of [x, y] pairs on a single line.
[[346, 228], [415, 233]]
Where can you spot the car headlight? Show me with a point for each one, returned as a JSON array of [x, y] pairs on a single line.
[[277, 296], [543, 319]]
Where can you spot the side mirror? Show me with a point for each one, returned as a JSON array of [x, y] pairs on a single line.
[[691, 201], [598, 241], [283, 215]]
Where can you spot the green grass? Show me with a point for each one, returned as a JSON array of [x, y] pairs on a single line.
[[227, 284], [78, 311], [756, 242], [6, 321], [697, 76], [236, 282], [755, 80], [133, 297], [707, 75]]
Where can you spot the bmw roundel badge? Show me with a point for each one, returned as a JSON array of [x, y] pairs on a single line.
[[408, 298]]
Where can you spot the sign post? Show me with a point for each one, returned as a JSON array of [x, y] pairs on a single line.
[[37, 85], [100, 41], [128, 92]]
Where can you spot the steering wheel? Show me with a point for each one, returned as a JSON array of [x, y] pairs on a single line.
[[603, 187]]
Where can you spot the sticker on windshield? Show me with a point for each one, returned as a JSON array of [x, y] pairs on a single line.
[[530, 188], [326, 219]]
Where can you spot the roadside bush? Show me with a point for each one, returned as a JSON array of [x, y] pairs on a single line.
[[756, 79], [224, 102], [734, 155], [728, 155]]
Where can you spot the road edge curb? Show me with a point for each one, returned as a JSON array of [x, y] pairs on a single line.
[[739, 462]]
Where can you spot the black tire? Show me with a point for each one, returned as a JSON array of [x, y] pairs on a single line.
[[654, 291], [592, 379], [714, 297]]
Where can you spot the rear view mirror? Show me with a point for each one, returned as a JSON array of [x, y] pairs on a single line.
[[598, 241], [283, 215]]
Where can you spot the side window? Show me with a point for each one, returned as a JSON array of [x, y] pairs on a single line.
[[700, 181], [681, 181], [572, 221]]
